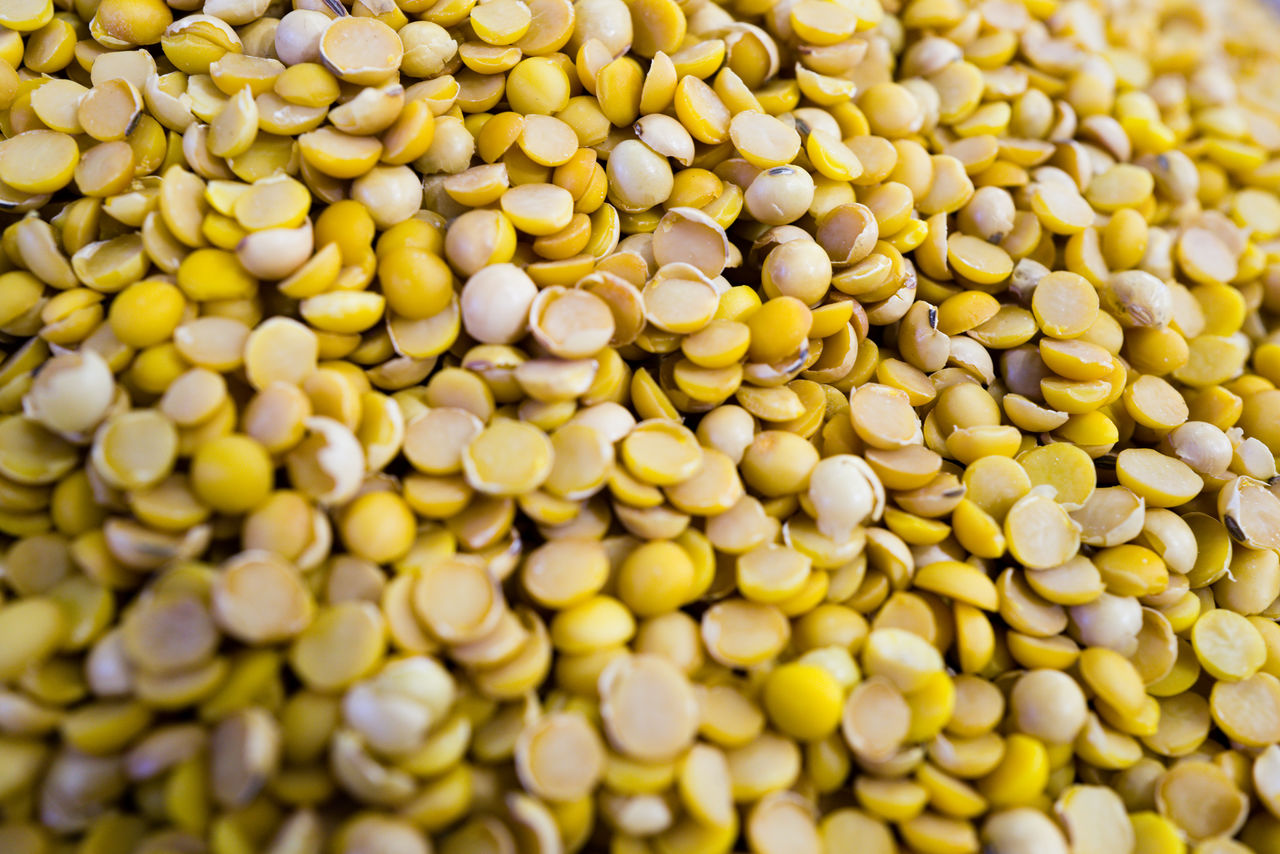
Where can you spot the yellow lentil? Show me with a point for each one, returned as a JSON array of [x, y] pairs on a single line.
[[680, 428]]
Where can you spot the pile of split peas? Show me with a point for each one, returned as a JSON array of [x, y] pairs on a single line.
[[639, 427]]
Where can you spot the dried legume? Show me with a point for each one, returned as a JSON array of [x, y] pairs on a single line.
[[648, 426]]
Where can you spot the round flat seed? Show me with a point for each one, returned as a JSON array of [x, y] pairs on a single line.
[[193, 397], [281, 349], [38, 161], [457, 600], [661, 453], [55, 103], [260, 598], [714, 489], [1123, 185], [1094, 818], [434, 442], [341, 645], [560, 758], [739, 633], [361, 50], [648, 707], [71, 393], [1067, 469], [783, 821], [169, 632], [1039, 532], [538, 209], [1160, 480], [571, 324], [507, 458], [32, 630], [1154, 402], [1204, 257], [875, 719], [1248, 711], [1060, 208], [772, 573], [135, 449], [705, 786], [1065, 305], [763, 140], [977, 260], [30, 454], [678, 305], [565, 572], [1227, 645], [883, 417], [547, 140], [1201, 799]]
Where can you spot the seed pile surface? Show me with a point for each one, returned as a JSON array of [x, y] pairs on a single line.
[[639, 426]]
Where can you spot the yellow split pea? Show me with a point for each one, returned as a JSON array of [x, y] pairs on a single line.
[[805, 428]]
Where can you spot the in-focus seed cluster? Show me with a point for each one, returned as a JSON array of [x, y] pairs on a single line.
[[639, 426]]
